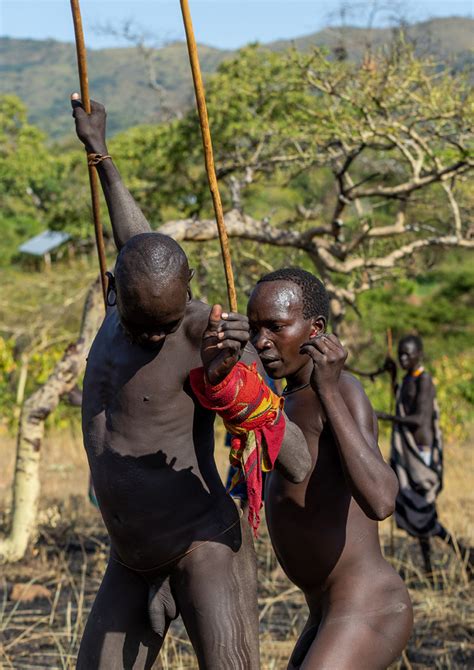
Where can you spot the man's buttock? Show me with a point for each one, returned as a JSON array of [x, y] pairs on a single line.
[[362, 585]]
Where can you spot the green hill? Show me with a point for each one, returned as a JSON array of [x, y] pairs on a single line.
[[449, 40], [43, 73]]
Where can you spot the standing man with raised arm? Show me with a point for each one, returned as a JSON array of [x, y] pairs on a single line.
[[417, 451], [178, 544], [324, 529]]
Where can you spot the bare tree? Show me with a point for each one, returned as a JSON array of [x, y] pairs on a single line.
[[35, 410]]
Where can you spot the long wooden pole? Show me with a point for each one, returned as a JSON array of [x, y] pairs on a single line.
[[208, 152], [392, 410], [93, 180]]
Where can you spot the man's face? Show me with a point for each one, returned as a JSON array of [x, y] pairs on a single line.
[[148, 315], [409, 355], [278, 327]]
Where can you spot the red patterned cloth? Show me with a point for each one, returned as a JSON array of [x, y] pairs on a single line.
[[253, 414]]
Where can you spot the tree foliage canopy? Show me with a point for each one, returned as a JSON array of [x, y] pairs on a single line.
[[357, 171], [373, 159], [353, 169]]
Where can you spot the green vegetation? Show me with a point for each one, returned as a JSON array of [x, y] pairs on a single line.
[[43, 73], [303, 143]]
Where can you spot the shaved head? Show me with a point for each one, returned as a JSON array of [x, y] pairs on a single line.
[[150, 259], [412, 339], [151, 282]]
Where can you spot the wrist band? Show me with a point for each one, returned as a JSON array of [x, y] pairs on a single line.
[[95, 159]]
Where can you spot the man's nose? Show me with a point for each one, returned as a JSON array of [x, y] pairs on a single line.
[[260, 341]]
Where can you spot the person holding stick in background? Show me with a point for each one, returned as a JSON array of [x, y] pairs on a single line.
[[417, 451]]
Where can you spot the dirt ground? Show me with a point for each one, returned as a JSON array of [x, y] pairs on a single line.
[[68, 561]]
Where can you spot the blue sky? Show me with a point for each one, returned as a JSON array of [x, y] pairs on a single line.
[[221, 23]]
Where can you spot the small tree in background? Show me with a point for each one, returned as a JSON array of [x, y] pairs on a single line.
[[36, 409]]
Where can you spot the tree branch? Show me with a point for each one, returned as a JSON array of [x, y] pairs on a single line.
[[245, 227], [390, 261], [408, 187]]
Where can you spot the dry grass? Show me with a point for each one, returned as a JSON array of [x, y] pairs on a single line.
[[70, 555]]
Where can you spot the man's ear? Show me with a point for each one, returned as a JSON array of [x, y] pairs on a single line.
[[318, 326], [189, 289], [111, 290]]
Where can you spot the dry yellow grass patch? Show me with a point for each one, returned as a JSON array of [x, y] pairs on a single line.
[[69, 560]]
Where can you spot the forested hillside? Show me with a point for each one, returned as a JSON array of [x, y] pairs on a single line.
[[43, 73]]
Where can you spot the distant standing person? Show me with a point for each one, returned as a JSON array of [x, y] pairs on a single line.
[[417, 450]]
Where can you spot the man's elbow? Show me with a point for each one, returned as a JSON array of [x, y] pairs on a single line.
[[385, 504], [383, 510], [305, 464], [299, 469], [379, 510]]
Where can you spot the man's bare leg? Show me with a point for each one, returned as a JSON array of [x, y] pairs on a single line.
[[118, 634], [215, 588]]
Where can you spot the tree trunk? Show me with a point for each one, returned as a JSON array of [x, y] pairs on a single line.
[[26, 485]]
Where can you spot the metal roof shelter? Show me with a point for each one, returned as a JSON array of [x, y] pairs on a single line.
[[44, 243]]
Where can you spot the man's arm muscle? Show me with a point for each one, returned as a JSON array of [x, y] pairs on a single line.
[[353, 423], [125, 215]]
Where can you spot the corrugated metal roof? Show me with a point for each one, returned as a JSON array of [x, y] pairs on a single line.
[[44, 242]]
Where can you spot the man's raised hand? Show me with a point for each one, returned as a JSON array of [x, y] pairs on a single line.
[[90, 128], [223, 342], [328, 356]]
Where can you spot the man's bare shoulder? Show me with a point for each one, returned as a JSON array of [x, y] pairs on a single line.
[[426, 380], [355, 396], [110, 326], [348, 384]]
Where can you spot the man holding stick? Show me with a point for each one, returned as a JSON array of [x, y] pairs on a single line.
[[417, 452], [178, 544]]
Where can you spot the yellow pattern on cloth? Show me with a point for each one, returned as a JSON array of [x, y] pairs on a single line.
[[253, 414]]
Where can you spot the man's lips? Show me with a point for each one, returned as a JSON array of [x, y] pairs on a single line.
[[269, 361]]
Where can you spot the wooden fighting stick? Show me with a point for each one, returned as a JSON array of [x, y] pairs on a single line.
[[93, 180], [208, 153], [392, 410]]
